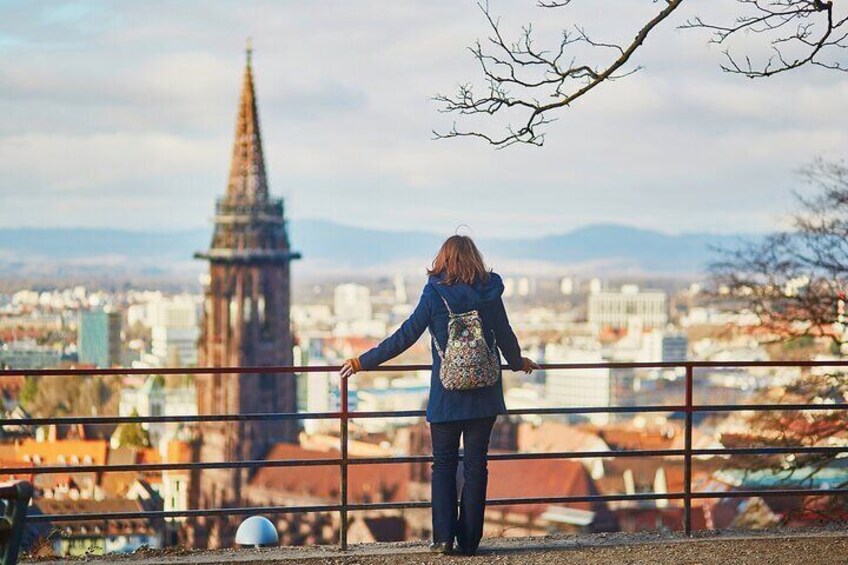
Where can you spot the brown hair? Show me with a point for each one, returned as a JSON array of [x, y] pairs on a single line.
[[459, 261]]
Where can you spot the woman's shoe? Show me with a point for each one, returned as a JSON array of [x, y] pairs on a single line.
[[441, 547]]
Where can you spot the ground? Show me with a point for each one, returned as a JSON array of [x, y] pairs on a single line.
[[810, 548]]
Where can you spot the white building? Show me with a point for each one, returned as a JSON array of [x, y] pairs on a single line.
[[650, 346], [175, 482], [521, 286], [400, 290], [525, 286], [318, 400], [404, 393], [175, 347], [578, 387], [352, 302], [311, 316], [174, 330], [566, 286], [595, 286], [617, 310]]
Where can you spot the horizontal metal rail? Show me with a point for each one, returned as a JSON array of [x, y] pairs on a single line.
[[689, 408], [411, 504], [356, 460], [292, 369], [281, 416]]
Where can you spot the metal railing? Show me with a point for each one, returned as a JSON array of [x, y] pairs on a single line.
[[689, 408]]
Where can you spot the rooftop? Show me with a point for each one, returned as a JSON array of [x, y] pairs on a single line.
[[786, 546]]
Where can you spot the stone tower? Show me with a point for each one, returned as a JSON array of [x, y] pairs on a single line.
[[245, 323]]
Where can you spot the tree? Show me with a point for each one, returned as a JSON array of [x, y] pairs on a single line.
[[795, 282], [29, 391], [133, 434], [528, 83]]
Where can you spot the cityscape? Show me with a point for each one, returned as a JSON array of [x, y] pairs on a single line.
[[242, 318], [128, 390]]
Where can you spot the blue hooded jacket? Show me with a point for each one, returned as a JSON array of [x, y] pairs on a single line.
[[485, 297]]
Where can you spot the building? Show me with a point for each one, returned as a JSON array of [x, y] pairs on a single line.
[[352, 302], [174, 331], [175, 482], [99, 337], [245, 323], [79, 538], [27, 354], [567, 286], [522, 286], [579, 387], [155, 399], [618, 310], [675, 348], [174, 347], [320, 484], [354, 313], [403, 393], [548, 478]]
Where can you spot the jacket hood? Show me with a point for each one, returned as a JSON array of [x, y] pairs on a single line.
[[462, 297]]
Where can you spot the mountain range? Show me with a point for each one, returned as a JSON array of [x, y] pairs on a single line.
[[329, 247]]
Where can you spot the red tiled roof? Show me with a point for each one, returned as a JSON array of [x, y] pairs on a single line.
[[84, 506], [536, 478], [6, 464], [71, 449], [556, 436], [630, 438], [365, 482]]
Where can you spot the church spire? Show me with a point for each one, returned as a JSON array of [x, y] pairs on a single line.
[[250, 225], [247, 182]]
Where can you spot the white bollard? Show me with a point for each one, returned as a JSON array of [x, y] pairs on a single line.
[[257, 531]]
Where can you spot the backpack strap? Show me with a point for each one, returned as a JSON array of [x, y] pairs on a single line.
[[438, 349], [446, 305], [436, 343]]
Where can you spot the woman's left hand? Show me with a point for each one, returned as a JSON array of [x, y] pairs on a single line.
[[529, 365], [350, 367]]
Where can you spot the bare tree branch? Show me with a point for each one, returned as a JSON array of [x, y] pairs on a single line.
[[512, 71], [528, 84], [800, 33], [796, 281]]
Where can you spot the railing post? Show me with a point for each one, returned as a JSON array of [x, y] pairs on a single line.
[[17, 495], [343, 467], [687, 452]]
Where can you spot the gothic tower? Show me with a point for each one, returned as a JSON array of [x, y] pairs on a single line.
[[245, 323]]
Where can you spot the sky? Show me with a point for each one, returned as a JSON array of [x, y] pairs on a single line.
[[121, 114]]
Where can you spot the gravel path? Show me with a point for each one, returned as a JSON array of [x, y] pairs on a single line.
[[758, 548], [787, 551]]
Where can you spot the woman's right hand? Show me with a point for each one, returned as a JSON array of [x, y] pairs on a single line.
[[529, 365], [350, 367]]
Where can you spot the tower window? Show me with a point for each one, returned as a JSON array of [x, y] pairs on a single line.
[[264, 319], [260, 308], [233, 313], [248, 309]]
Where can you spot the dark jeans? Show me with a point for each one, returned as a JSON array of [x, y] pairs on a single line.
[[468, 528]]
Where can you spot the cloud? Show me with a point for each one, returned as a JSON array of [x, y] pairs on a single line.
[[122, 115]]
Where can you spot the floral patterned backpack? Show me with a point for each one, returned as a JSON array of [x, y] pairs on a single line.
[[468, 363]]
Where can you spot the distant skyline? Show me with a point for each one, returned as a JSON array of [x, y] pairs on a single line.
[[122, 114]]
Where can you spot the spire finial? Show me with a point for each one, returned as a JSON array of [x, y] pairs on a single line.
[[249, 50]]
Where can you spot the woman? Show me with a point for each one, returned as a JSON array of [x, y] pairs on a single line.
[[458, 283]]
